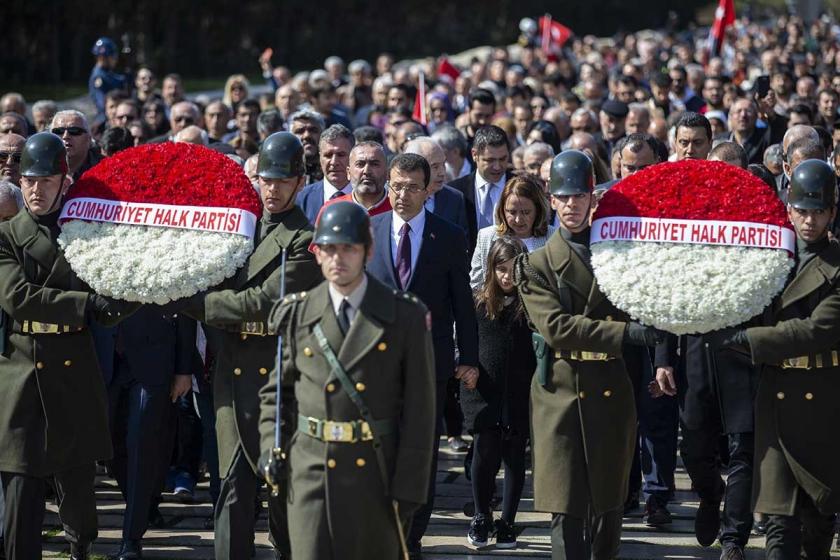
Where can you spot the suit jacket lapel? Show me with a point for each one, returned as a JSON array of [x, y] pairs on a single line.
[[426, 248], [382, 254]]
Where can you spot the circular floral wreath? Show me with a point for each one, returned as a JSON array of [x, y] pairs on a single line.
[[694, 287], [154, 263]]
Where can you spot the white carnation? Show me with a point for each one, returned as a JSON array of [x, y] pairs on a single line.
[[688, 289], [150, 264]]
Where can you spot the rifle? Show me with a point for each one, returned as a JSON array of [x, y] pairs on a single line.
[[277, 454]]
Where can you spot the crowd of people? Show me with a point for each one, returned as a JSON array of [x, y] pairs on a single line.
[[479, 181]]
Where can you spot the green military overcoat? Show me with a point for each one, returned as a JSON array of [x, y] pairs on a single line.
[[583, 421], [53, 407], [337, 502], [244, 360], [797, 410]]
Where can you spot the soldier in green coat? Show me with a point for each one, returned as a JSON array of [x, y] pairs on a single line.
[[583, 415], [358, 359], [797, 465], [247, 346], [53, 408]]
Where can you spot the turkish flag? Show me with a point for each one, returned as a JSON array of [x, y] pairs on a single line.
[[446, 68], [554, 33], [419, 113], [724, 17]]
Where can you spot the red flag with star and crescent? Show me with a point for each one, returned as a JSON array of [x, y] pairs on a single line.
[[724, 17]]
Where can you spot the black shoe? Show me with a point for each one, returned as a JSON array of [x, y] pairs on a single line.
[[656, 514], [156, 519], [480, 528], [129, 550], [79, 551], [760, 528], [2, 549], [732, 553], [632, 503], [505, 534], [707, 522]]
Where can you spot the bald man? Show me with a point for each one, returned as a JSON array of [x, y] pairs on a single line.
[[793, 134], [192, 135], [11, 148], [443, 200]]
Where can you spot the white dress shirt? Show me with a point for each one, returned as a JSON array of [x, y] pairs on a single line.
[[481, 191], [417, 223], [354, 299], [330, 190]]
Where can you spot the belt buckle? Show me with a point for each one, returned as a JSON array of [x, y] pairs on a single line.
[[312, 426], [255, 327], [593, 356], [800, 362], [42, 328], [339, 432], [367, 433]]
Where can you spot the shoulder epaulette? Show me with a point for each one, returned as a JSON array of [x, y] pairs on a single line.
[[291, 298], [406, 296]]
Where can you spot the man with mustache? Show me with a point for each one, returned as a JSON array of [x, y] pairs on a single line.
[[11, 150], [334, 152], [72, 127], [308, 125], [368, 174]]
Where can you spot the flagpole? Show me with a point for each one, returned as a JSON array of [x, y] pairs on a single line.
[[546, 36]]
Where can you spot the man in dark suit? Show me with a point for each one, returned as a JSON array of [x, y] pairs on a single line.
[[334, 154], [417, 251], [442, 200], [483, 187], [182, 115], [146, 364]]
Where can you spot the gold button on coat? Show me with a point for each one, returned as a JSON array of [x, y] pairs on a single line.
[[582, 394], [263, 371], [330, 387], [381, 346], [39, 365], [360, 462], [331, 463], [307, 352], [68, 363], [809, 396], [607, 393], [237, 371], [360, 387], [780, 395], [244, 337]]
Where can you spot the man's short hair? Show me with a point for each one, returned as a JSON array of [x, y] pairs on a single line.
[[761, 171], [487, 136], [539, 148], [807, 149], [250, 103], [338, 132], [661, 80], [10, 191], [450, 138], [730, 151], [627, 81], [690, 119], [173, 76], [359, 65], [637, 107], [367, 133], [269, 122], [321, 90], [637, 141], [411, 162], [483, 96], [773, 155], [116, 139], [402, 87], [307, 115], [46, 105], [802, 109], [68, 112]]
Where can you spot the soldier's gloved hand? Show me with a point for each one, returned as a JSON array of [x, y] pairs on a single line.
[[727, 338], [109, 311], [272, 470], [637, 334]]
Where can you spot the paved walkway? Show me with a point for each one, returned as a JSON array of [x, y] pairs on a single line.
[[185, 537]]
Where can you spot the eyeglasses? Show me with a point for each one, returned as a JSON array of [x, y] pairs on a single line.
[[14, 157], [187, 120], [410, 189], [71, 130]]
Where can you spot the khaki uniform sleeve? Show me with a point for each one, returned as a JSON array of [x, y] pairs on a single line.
[[230, 306], [23, 300], [417, 424], [797, 337], [561, 328]]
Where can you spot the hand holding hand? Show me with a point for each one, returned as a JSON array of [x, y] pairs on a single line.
[[468, 376]]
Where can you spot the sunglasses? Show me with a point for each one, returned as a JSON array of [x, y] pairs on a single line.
[[71, 130], [14, 157]]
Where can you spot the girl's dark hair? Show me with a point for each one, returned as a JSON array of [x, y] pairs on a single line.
[[489, 294]]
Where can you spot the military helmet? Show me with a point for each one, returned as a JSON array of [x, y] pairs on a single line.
[[43, 155], [343, 222], [571, 173], [104, 47], [813, 186], [281, 157]]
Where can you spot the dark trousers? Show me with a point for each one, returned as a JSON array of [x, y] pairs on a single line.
[[655, 459], [808, 531], [188, 437], [574, 538], [139, 414], [209, 444], [452, 415], [421, 517], [699, 450], [491, 448], [236, 514], [25, 507]]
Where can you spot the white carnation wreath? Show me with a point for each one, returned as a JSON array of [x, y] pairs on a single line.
[[149, 264], [687, 289]]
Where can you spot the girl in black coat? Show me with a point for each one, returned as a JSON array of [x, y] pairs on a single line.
[[496, 411]]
